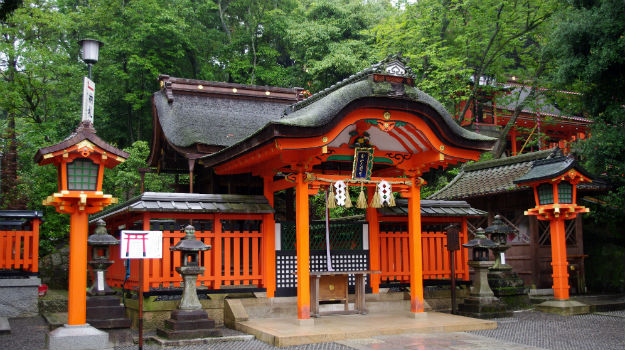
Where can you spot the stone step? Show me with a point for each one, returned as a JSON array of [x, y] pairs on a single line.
[[189, 315], [188, 334], [102, 312], [177, 325], [107, 301], [110, 323]]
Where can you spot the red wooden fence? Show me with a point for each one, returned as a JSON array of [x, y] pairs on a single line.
[[19, 250], [234, 259], [394, 258]]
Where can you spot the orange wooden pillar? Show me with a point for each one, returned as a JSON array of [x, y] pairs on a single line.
[[77, 290], [558, 259], [302, 246], [269, 239], [35, 246], [414, 246], [463, 255], [374, 245]]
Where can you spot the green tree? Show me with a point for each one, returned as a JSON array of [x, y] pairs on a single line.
[[330, 40], [124, 181], [460, 48]]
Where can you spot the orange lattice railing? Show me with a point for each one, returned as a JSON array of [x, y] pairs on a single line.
[[19, 247], [394, 258], [234, 259]]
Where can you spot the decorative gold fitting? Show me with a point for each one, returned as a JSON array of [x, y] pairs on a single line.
[[387, 115]]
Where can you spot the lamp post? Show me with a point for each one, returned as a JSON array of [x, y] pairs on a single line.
[[554, 183], [80, 160], [90, 51]]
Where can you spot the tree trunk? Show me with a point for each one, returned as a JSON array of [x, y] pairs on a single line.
[[10, 198], [500, 145]]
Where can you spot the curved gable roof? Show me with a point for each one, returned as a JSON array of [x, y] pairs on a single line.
[[321, 112]]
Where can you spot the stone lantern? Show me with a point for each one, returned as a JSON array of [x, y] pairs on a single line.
[[480, 246], [554, 183], [100, 243], [189, 320], [481, 302], [505, 283], [104, 310], [498, 233]]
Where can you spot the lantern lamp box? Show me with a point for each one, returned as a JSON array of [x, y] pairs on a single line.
[[141, 244], [363, 164]]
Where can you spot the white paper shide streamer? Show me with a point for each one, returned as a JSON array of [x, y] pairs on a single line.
[[340, 189], [385, 192]]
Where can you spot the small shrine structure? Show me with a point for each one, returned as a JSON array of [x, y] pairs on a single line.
[[374, 130], [490, 186]]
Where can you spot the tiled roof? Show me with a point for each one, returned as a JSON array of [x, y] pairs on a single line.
[[489, 177], [549, 168], [433, 208], [189, 203]]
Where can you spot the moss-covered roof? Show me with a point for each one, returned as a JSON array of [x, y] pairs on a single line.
[[320, 112]]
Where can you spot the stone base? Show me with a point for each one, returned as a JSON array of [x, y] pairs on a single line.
[[563, 307], [477, 308], [305, 322], [19, 296], [105, 312], [80, 337], [188, 324]]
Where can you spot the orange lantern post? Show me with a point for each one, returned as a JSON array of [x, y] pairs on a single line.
[[554, 182], [80, 161]]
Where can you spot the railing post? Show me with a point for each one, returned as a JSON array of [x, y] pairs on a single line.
[[217, 249], [35, 246]]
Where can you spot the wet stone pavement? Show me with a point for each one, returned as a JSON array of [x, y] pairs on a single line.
[[528, 330]]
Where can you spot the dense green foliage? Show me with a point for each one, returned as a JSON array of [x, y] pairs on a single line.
[[576, 45], [588, 46]]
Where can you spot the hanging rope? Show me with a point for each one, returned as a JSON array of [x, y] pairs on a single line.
[[313, 177], [331, 200], [362, 200]]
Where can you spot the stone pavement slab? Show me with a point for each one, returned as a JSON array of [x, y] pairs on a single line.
[[433, 341], [604, 331], [286, 331]]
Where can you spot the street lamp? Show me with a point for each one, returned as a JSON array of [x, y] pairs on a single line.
[[90, 51], [554, 183]]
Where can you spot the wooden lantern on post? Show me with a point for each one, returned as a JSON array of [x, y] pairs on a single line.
[[554, 182], [80, 161]]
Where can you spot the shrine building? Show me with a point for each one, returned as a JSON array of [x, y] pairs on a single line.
[[250, 157]]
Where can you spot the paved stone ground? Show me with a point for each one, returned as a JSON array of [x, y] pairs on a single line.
[[529, 330], [604, 330]]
